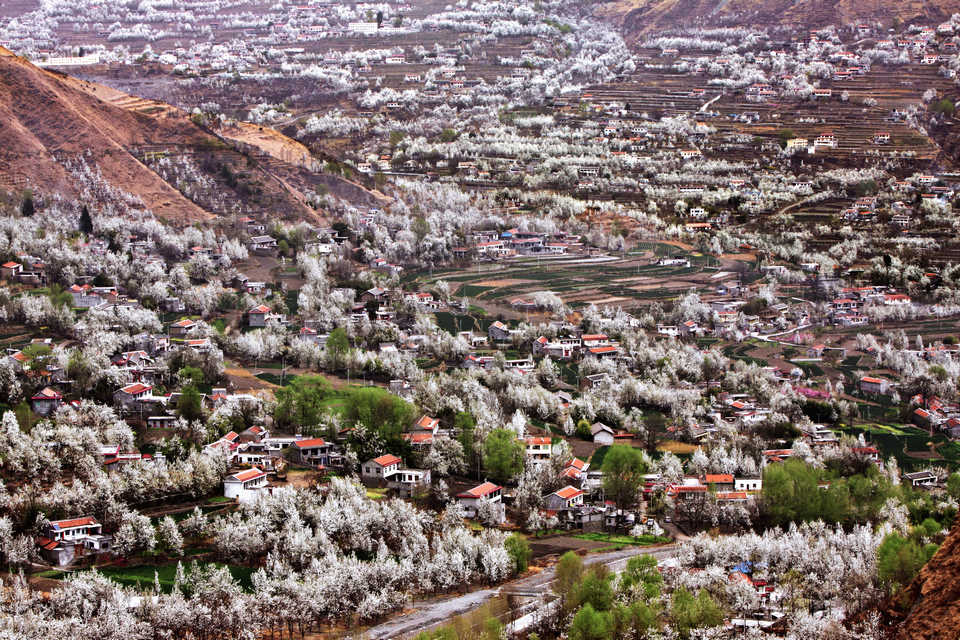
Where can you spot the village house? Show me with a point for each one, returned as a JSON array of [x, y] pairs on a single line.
[[426, 424], [62, 541], [566, 498], [537, 448], [245, 486], [498, 332], [182, 327], [602, 434], [126, 398], [921, 478], [408, 482], [314, 452], [46, 401], [720, 481], [381, 468], [472, 499], [870, 384], [747, 484], [262, 245]]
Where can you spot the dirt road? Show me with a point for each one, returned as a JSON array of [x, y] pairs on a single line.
[[436, 611]]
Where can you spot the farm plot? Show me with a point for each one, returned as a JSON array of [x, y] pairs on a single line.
[[622, 281]]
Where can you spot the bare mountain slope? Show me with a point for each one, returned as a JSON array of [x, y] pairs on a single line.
[[933, 598], [643, 17], [45, 118], [48, 120]]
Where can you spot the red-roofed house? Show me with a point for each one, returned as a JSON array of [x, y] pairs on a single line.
[[64, 540], [603, 352], [10, 270], [419, 440], [731, 496], [314, 451], [871, 453], [537, 448], [594, 340], [245, 486], [257, 317], [127, 397], [720, 481], [182, 327], [381, 468], [427, 424], [870, 384], [46, 401], [486, 492], [566, 498]]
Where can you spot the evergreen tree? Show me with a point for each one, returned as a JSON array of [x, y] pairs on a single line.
[[86, 222]]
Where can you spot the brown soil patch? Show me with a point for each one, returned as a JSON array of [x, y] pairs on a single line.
[[269, 141]]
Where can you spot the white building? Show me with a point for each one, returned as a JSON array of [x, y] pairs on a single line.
[[244, 486]]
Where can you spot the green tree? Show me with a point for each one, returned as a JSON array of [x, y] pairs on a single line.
[[519, 551], [382, 412], [898, 561], [595, 589], [641, 574], [27, 208], [689, 612], [191, 375], [583, 429], [590, 624], [465, 425], [420, 227], [568, 572], [945, 106], [502, 455], [190, 404], [300, 404], [338, 346], [623, 471], [635, 620], [86, 222], [953, 485], [60, 297], [80, 370]]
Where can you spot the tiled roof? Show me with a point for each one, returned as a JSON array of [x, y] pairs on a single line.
[[135, 388], [75, 522], [387, 459], [569, 492], [249, 474], [312, 442], [480, 491]]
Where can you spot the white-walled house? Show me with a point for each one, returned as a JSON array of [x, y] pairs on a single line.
[[381, 468], [408, 481], [747, 484], [63, 540], [472, 499], [245, 486], [566, 498]]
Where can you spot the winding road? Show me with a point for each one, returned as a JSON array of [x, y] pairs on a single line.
[[435, 611]]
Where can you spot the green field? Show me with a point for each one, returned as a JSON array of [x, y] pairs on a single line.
[[143, 576], [900, 440], [643, 541]]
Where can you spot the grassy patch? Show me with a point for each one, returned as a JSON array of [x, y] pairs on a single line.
[[276, 378], [143, 576], [643, 541]]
